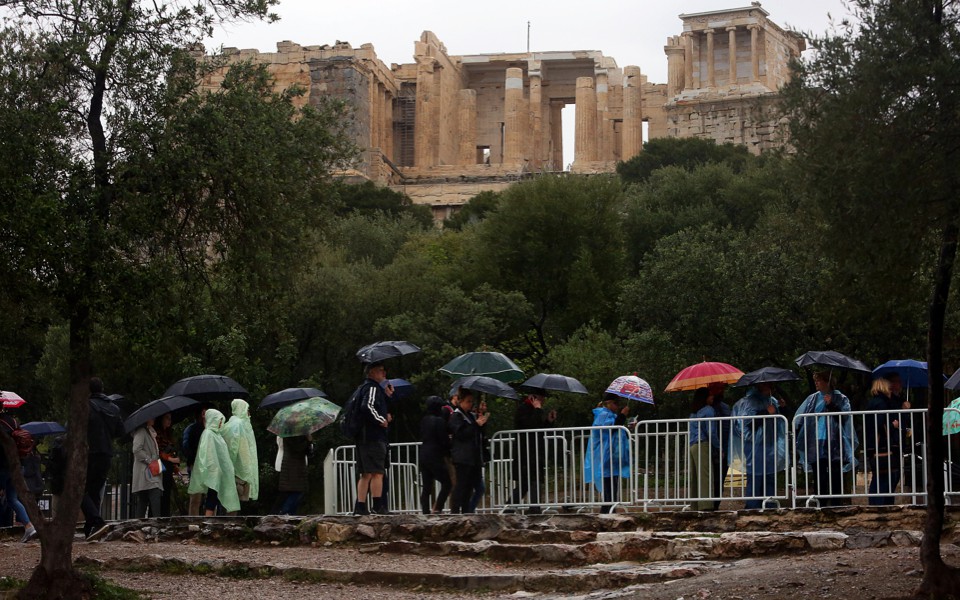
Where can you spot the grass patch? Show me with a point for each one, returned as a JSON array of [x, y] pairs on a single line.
[[11, 583], [105, 589]]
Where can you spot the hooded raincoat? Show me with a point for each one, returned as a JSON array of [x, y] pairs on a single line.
[[238, 433], [608, 453], [827, 436], [213, 468], [759, 444]]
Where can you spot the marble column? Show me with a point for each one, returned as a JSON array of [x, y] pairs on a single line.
[[754, 52], [687, 60], [556, 136], [632, 135], [468, 127], [585, 150], [675, 66], [732, 34], [513, 120], [536, 120], [428, 104], [604, 137], [711, 66]]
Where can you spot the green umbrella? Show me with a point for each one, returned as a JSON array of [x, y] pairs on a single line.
[[304, 417], [489, 364], [951, 420]]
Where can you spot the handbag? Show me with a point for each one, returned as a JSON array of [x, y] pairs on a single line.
[[155, 467]]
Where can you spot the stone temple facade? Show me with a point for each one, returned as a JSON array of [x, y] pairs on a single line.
[[444, 128]]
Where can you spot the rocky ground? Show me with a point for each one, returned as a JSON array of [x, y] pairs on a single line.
[[848, 559]]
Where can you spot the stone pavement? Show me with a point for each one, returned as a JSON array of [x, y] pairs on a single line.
[[569, 553]]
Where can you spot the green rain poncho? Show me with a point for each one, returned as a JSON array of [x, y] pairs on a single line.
[[213, 468], [238, 432]]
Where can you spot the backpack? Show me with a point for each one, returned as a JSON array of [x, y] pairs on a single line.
[[350, 417], [23, 440]]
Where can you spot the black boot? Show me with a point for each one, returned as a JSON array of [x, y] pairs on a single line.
[[360, 509], [380, 506]]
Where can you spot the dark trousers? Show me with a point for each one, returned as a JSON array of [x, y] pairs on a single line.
[[611, 493], [431, 473], [720, 468], [761, 484], [147, 499], [528, 481], [882, 483], [469, 480], [291, 502], [829, 481], [168, 486], [98, 466]]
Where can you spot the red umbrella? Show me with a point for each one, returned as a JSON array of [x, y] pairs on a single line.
[[11, 400], [702, 375]]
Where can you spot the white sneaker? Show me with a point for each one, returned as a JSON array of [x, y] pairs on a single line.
[[28, 534], [98, 533]]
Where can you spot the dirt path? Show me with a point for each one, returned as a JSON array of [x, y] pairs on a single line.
[[869, 573]]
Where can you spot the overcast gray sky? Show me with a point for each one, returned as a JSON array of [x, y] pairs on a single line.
[[633, 33]]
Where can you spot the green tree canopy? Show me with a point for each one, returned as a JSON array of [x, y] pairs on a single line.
[[684, 153]]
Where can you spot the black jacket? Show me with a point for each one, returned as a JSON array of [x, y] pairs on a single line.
[[103, 425], [373, 407], [466, 447], [434, 435]]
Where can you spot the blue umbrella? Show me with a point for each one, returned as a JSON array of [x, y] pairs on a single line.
[[913, 373], [42, 428]]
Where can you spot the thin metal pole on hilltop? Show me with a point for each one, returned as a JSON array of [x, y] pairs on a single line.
[[528, 37]]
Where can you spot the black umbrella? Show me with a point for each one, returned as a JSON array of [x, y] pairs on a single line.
[[766, 375], [954, 382], [829, 358], [484, 385], [378, 351], [289, 396], [178, 406], [208, 388], [551, 382]]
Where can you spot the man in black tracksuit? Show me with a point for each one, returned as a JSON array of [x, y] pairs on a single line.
[[372, 445], [103, 425]]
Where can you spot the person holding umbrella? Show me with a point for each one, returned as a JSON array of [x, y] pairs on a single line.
[[103, 425], [530, 454], [761, 447], [372, 450], [883, 443], [434, 451], [9, 425], [467, 451], [608, 451], [704, 439], [826, 444]]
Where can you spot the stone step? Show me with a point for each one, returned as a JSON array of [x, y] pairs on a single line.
[[587, 578], [615, 547]]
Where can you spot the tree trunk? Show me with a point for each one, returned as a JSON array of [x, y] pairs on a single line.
[[55, 576], [939, 579]]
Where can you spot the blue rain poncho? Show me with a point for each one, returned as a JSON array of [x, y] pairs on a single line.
[[213, 468], [608, 452], [238, 433], [827, 437], [760, 445]]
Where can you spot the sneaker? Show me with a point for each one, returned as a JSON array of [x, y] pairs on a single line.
[[98, 533], [28, 534]]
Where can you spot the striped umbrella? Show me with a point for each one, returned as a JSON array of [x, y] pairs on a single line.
[[703, 374]]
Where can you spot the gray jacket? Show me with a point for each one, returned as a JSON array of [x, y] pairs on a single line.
[[145, 451]]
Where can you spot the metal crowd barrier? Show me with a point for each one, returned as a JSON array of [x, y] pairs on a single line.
[[674, 474], [571, 468], [657, 468]]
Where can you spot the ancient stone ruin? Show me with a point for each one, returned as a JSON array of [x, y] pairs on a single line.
[[444, 128]]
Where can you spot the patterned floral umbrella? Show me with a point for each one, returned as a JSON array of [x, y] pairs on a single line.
[[304, 417], [631, 387]]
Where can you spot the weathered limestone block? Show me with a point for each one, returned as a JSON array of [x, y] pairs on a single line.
[[825, 540], [333, 532]]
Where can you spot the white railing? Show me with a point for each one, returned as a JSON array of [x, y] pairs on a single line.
[[723, 464], [579, 467], [877, 455], [762, 461]]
